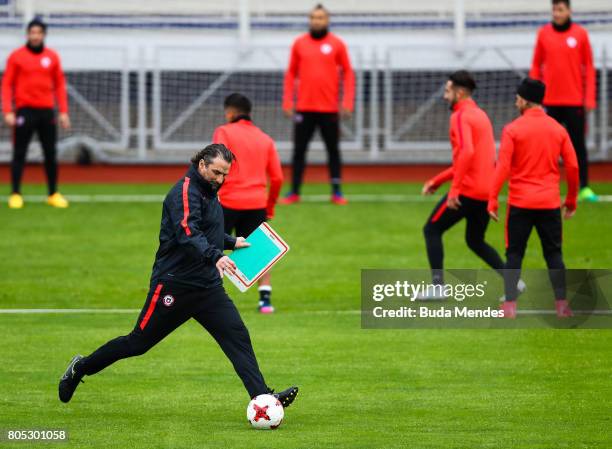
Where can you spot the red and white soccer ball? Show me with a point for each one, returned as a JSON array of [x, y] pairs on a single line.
[[265, 412]]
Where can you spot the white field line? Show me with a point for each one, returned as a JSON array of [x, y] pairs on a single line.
[[62, 311], [149, 198], [305, 312]]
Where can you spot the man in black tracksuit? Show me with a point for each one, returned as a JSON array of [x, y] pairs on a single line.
[[187, 281]]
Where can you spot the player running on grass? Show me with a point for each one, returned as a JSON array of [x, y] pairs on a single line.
[[529, 155], [246, 201], [473, 146], [186, 282]]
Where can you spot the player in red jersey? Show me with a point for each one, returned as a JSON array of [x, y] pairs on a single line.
[[473, 147], [246, 200], [563, 61], [317, 58], [529, 155], [33, 82]]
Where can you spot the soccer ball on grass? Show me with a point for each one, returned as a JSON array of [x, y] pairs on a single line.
[[265, 412]]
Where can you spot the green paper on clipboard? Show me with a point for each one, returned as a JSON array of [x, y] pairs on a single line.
[[252, 262]]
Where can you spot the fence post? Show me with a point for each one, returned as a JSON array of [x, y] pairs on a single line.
[[28, 12], [603, 104], [374, 113], [459, 26], [388, 99], [142, 108], [244, 21]]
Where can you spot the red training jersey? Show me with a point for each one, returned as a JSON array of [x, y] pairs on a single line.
[[473, 145], [33, 80], [256, 161], [315, 66], [563, 61], [529, 154]]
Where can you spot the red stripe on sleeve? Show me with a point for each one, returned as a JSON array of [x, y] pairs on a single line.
[[145, 320], [186, 206]]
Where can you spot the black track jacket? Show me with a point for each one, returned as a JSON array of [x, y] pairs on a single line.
[[191, 236]]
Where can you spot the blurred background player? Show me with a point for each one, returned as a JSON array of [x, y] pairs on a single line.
[[529, 155], [34, 81], [473, 147], [246, 201], [317, 58], [563, 61]]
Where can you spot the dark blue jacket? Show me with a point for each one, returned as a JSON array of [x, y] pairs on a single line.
[[191, 236]]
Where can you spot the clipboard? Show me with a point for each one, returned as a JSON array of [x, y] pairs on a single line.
[[252, 262]]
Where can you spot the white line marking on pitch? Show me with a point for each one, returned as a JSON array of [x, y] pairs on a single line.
[[150, 198], [43, 311], [309, 312]]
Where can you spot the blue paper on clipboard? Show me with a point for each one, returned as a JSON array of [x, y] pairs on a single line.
[[267, 248]]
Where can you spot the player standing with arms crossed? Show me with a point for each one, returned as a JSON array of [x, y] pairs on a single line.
[[473, 147], [529, 155], [563, 61], [315, 64], [34, 81], [186, 282], [246, 201]]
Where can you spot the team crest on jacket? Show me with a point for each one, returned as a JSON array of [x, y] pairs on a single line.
[[168, 300], [45, 62], [571, 42], [326, 49]]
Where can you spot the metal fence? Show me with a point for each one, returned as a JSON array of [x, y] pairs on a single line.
[[188, 92], [416, 119], [157, 108]]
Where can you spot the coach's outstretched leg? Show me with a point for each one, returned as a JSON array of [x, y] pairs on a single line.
[[221, 319], [219, 316], [153, 325]]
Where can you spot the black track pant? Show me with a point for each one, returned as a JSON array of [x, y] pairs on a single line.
[[442, 218], [519, 224], [573, 118], [166, 308], [29, 121], [305, 125]]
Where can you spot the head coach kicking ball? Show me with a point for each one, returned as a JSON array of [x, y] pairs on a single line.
[[187, 282]]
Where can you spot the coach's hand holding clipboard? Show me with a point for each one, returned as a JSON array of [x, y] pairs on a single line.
[[253, 256], [227, 264]]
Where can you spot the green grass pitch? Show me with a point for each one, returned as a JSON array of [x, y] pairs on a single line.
[[359, 388]]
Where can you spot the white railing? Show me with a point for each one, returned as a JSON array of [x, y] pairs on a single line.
[[157, 105]]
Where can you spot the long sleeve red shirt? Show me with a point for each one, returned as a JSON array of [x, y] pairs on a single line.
[[315, 66], [245, 186], [563, 61], [529, 155], [473, 146], [34, 80]]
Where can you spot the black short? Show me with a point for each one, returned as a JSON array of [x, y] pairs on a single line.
[[243, 221]]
